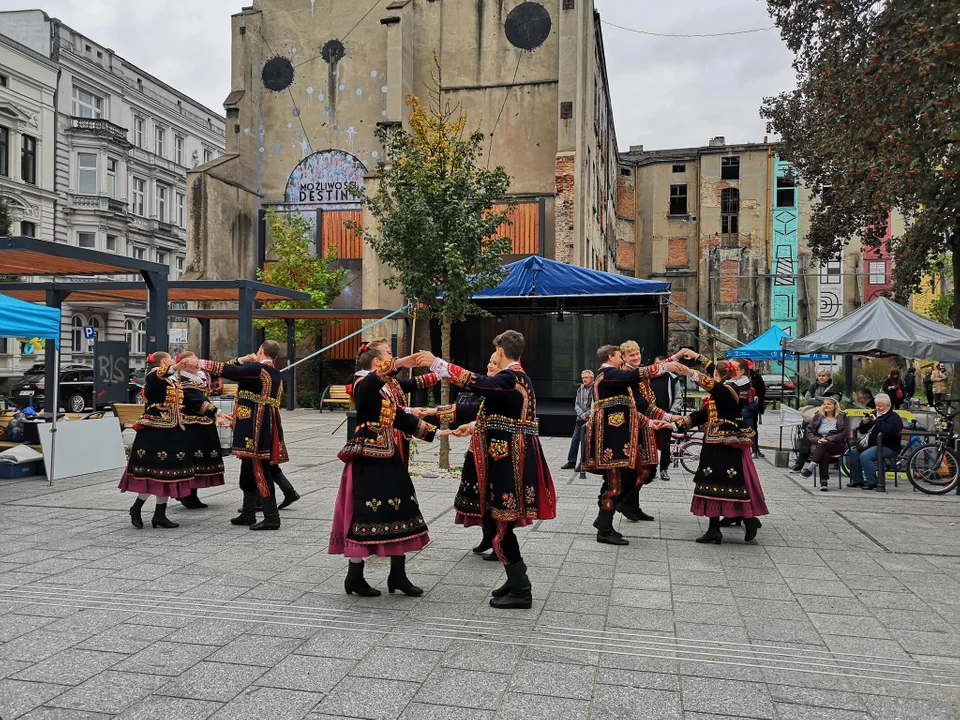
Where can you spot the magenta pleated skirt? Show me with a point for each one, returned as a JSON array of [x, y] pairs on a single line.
[[340, 544], [754, 507]]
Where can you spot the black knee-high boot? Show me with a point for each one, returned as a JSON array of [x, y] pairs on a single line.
[[751, 525], [605, 532], [398, 580], [135, 518], [713, 534], [517, 593], [247, 514], [271, 515], [486, 542], [160, 517], [355, 583]]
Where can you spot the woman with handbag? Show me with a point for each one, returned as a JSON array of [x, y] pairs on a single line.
[[827, 433], [893, 386], [878, 438]]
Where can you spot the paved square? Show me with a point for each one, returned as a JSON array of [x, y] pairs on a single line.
[[847, 607]]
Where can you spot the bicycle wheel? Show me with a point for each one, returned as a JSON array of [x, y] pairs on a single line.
[[690, 455], [933, 469]]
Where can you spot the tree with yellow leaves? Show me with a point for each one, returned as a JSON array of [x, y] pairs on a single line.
[[434, 209]]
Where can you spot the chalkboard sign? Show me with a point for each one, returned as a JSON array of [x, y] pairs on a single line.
[[111, 373]]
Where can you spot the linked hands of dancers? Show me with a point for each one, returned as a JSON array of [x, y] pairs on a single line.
[[190, 364], [421, 412], [462, 431], [660, 424]]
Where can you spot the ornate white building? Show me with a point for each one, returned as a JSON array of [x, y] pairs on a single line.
[[124, 142], [28, 86]]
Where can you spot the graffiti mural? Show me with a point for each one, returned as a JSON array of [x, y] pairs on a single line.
[[783, 300], [328, 179], [830, 292]]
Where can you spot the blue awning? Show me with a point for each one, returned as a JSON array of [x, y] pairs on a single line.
[[539, 277], [767, 347], [19, 319]]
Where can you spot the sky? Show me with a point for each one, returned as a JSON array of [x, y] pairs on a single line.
[[667, 92]]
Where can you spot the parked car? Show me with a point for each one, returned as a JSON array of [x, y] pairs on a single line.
[[779, 387], [76, 389]]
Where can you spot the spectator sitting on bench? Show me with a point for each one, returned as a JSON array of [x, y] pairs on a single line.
[[827, 433], [883, 429]]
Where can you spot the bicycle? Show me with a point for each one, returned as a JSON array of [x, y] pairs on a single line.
[[933, 468], [685, 451]]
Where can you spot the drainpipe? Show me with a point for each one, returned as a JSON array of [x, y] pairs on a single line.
[[696, 241]]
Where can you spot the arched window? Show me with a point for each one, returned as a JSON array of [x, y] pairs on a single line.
[[129, 330], [141, 342], [97, 324], [76, 326]]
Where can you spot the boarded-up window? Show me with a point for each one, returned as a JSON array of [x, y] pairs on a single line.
[[334, 331], [333, 231], [524, 232]]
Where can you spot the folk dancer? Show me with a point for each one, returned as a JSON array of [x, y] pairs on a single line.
[[159, 463], [513, 479], [614, 435], [726, 482], [462, 416], [258, 432], [199, 419], [646, 402], [377, 511]]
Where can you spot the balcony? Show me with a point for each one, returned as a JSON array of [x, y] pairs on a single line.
[[167, 228], [97, 203], [101, 128]]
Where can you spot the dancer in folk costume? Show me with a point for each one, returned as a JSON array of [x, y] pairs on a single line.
[[614, 433], [377, 512], [199, 419], [726, 481], [257, 432], [647, 458], [159, 464], [462, 416], [513, 479]]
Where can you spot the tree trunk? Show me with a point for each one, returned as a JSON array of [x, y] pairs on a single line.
[[445, 389]]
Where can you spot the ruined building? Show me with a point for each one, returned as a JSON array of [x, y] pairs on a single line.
[[312, 81]]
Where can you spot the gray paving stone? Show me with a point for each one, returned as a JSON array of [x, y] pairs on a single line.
[[9, 668], [256, 650], [613, 702], [576, 603], [165, 658], [518, 706], [109, 692], [258, 703], [158, 707], [340, 644], [466, 688], [728, 697], [129, 639], [482, 657], [17, 697], [70, 667], [209, 632], [374, 699], [15, 625], [420, 711], [812, 712], [39, 645], [306, 672], [562, 680], [397, 664], [819, 697], [219, 682]]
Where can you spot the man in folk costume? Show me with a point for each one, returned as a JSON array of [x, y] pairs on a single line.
[[257, 432], [646, 402], [514, 480], [613, 435]]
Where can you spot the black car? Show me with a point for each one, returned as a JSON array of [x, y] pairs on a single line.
[[779, 388], [76, 389]]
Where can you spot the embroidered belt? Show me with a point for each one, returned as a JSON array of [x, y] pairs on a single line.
[[526, 427], [261, 399], [615, 401]]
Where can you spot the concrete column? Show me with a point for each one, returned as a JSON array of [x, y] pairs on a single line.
[[290, 381], [55, 299], [245, 320]]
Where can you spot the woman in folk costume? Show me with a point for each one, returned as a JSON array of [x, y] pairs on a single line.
[[377, 512], [467, 501], [726, 481], [199, 419], [513, 478], [160, 463]]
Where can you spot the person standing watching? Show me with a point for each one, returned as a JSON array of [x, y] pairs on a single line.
[[939, 378], [909, 384], [583, 407], [928, 385], [893, 387]]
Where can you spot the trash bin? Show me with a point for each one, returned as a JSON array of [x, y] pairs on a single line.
[[351, 424]]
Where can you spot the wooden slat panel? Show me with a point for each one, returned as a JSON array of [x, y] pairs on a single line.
[[333, 232], [335, 331], [524, 233]]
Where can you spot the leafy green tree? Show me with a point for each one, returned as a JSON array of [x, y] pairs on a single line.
[[297, 268], [436, 227], [875, 119]]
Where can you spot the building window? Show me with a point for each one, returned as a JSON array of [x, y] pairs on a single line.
[[28, 229], [877, 272], [4, 81], [86, 105], [138, 193], [178, 145], [730, 211], [179, 266], [679, 168], [4, 151], [28, 159], [678, 199], [87, 239], [207, 155], [826, 195], [140, 344], [111, 178], [96, 323], [112, 243], [138, 131], [129, 330], [162, 258], [730, 168], [181, 211], [76, 333], [86, 173], [786, 191], [162, 203], [137, 253], [159, 138]]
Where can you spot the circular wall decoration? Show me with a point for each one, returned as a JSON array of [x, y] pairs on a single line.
[[333, 51], [528, 26], [277, 74]]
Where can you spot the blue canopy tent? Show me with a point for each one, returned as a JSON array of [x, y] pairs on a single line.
[[536, 276], [769, 347], [24, 319]]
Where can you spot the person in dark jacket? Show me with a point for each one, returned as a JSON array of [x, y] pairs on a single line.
[[666, 391], [928, 385], [827, 433], [893, 386], [884, 429], [910, 384], [822, 388], [754, 409], [865, 398]]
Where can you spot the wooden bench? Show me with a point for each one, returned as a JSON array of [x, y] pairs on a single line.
[[128, 414], [335, 395]]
